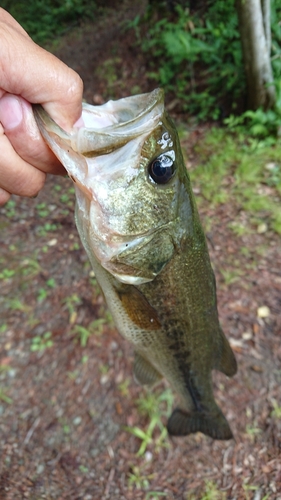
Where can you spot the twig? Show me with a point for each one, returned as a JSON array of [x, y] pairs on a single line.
[[31, 430]]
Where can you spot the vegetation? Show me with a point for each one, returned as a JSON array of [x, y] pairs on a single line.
[[197, 55], [44, 19], [246, 171]]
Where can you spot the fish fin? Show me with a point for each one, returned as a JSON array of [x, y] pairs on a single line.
[[144, 372], [182, 423], [137, 307], [226, 361]]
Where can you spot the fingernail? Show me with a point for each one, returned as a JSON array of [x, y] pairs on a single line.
[[11, 113]]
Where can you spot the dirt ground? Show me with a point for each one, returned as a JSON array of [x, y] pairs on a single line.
[[68, 399]]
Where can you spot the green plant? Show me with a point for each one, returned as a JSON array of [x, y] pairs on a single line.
[[211, 493], [83, 334], [5, 398], [45, 19], [42, 209], [231, 169], [249, 487], [154, 406], [197, 56], [39, 343], [153, 495], [71, 302], [7, 274], [276, 412], [138, 479], [10, 208], [263, 124], [46, 228]]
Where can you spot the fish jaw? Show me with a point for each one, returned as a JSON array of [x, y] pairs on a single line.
[[122, 231]]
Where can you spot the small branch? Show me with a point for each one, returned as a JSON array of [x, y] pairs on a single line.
[[31, 430]]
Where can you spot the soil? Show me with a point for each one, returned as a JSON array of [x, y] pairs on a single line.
[[68, 398]]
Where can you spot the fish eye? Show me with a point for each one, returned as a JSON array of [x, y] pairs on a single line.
[[162, 169]]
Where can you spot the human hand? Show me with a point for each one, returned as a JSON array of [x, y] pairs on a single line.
[[30, 74]]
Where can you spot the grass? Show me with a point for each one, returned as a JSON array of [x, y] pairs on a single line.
[[153, 405], [247, 173], [212, 492]]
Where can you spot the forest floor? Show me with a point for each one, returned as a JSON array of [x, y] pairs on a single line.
[[69, 407]]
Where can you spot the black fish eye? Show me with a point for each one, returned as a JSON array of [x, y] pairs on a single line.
[[162, 169]]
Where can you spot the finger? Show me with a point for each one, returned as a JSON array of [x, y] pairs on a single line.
[[16, 175], [20, 128], [8, 19], [54, 85], [4, 196]]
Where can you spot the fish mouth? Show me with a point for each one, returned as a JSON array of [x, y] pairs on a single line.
[[106, 127], [138, 259]]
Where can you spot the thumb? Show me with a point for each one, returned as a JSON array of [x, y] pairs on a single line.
[[20, 128]]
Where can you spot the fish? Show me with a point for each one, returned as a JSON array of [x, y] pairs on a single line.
[[137, 219]]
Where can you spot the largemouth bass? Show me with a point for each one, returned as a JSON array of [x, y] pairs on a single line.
[[138, 221]]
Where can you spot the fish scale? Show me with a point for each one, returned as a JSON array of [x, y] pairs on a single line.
[[138, 221]]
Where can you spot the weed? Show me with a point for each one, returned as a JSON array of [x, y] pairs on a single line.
[[30, 267], [230, 168], [249, 487], [124, 387], [211, 493], [153, 495], [260, 124], [83, 334], [252, 430], [46, 228], [276, 412], [84, 359], [39, 343], [83, 469], [73, 375], [231, 275], [95, 327], [10, 209], [42, 294], [138, 479], [42, 210], [17, 304], [3, 327], [5, 398], [71, 302], [154, 406], [7, 274]]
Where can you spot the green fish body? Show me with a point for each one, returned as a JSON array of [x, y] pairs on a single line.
[[138, 221]]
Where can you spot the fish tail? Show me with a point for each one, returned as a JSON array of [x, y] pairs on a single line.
[[182, 423]]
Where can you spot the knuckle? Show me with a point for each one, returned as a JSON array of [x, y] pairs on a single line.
[[32, 187], [75, 90]]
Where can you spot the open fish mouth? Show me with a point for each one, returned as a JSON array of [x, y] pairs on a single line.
[[106, 162]]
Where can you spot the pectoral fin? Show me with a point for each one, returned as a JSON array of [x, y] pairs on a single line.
[[144, 372], [182, 423], [141, 313], [225, 362]]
